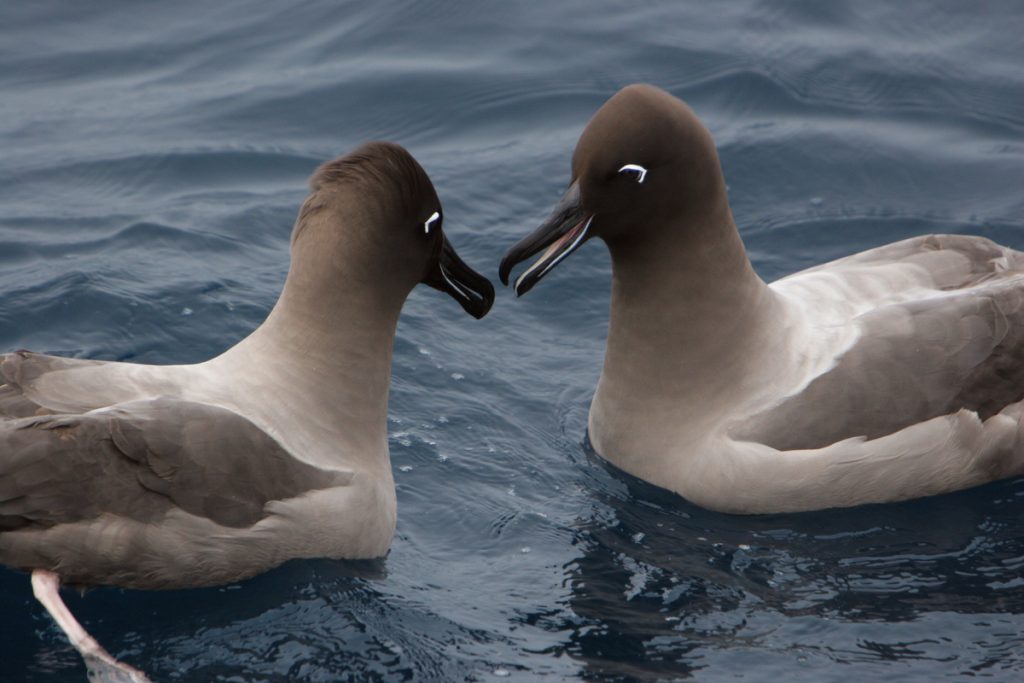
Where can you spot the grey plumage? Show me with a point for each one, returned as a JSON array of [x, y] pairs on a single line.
[[916, 359], [141, 459], [890, 374], [196, 475], [189, 475]]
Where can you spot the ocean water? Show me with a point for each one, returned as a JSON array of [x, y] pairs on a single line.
[[152, 159]]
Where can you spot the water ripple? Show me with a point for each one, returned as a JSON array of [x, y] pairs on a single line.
[[153, 159]]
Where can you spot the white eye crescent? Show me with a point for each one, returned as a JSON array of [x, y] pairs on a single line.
[[635, 168], [430, 222]]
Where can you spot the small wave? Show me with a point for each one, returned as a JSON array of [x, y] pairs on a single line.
[[144, 235], [110, 180]]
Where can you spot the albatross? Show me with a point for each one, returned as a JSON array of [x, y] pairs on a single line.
[[163, 477], [887, 375]]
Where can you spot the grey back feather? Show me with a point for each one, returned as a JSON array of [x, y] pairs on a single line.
[[139, 460], [913, 362]]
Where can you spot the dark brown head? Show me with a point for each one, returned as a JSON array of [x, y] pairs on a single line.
[[377, 206], [645, 163]]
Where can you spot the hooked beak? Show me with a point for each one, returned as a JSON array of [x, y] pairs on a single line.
[[565, 230], [452, 276]]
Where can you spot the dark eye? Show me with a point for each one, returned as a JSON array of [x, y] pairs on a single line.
[[635, 171], [429, 224]]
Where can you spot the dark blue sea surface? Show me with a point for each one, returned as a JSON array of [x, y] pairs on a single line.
[[152, 160]]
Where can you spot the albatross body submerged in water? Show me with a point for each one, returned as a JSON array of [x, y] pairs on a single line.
[[887, 375], [193, 475]]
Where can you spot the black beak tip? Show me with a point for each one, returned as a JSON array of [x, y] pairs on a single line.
[[522, 288], [505, 269], [476, 298], [487, 300]]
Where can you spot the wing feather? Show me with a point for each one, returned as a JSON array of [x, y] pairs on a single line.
[[140, 460], [912, 361]]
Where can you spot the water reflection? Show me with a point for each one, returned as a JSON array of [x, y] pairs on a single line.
[[662, 587]]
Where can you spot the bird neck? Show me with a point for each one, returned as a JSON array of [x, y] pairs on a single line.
[[324, 355], [335, 333], [687, 309]]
